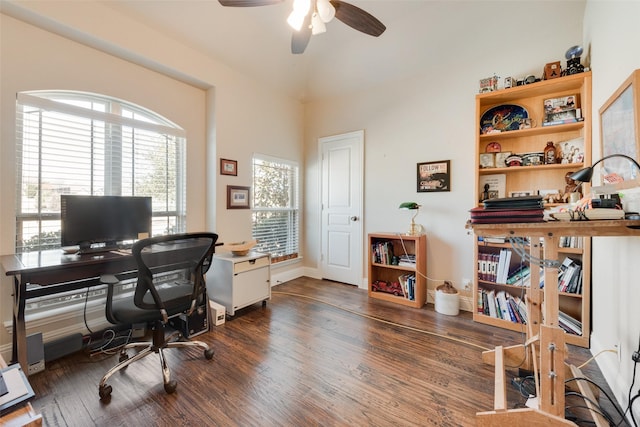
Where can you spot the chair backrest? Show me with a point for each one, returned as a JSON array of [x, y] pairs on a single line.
[[172, 260]]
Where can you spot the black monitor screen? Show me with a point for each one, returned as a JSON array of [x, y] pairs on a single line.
[[104, 220]]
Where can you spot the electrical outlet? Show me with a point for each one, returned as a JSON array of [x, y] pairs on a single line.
[[466, 284]]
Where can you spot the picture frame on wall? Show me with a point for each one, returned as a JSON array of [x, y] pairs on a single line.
[[434, 176], [228, 167], [238, 197], [619, 133]]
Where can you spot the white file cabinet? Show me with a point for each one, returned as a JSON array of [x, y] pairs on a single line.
[[239, 281]]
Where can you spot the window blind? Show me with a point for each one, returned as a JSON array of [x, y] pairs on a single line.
[[78, 143], [275, 212]]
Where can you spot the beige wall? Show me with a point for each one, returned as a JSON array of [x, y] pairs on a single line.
[[612, 33], [431, 117], [40, 50]]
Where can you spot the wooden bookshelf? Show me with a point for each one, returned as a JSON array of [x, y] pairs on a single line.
[[382, 269], [535, 178]]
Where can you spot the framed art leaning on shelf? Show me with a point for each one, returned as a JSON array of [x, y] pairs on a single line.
[[619, 133]]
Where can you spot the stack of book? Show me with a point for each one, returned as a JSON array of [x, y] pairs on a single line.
[[569, 324], [407, 260], [501, 305], [408, 283], [382, 252], [508, 210], [570, 276], [494, 267]]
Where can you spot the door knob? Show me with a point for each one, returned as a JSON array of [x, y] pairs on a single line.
[[354, 218]]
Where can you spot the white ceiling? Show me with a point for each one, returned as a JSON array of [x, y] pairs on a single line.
[[256, 40]]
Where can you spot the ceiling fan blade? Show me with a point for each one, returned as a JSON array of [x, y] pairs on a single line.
[[300, 39], [248, 3], [357, 18]]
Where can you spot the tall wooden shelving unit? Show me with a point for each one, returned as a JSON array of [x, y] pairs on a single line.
[[520, 178], [413, 245]]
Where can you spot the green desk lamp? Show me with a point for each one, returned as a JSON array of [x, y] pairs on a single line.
[[414, 228]]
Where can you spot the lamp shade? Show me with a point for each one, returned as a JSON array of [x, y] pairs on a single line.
[[585, 175], [409, 205]]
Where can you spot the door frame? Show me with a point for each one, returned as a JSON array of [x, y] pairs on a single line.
[[320, 141]]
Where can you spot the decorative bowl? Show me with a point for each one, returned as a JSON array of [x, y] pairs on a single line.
[[241, 248]]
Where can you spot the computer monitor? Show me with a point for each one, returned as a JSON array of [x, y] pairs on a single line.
[[103, 222]]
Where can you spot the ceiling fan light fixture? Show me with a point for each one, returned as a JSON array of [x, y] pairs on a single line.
[[317, 25], [295, 20], [325, 10], [300, 11], [302, 6]]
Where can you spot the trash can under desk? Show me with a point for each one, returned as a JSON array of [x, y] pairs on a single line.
[[239, 281]]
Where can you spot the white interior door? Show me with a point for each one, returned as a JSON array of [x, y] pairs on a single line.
[[342, 227]]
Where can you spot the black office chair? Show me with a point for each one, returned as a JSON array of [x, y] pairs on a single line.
[[170, 281]]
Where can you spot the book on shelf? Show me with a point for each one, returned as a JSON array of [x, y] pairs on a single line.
[[492, 239], [519, 275], [576, 242], [501, 305], [503, 266], [569, 324], [408, 283], [407, 260], [382, 252], [570, 276]]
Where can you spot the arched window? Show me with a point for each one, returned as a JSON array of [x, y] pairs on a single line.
[[90, 144]]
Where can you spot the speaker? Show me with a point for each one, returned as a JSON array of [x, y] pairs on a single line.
[[35, 354], [63, 346]]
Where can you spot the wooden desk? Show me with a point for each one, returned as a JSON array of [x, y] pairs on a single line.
[[50, 272], [545, 335]]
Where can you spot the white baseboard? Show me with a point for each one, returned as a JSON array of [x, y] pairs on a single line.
[[60, 325]]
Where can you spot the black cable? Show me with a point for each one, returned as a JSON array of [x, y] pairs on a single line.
[[633, 381], [599, 409], [633, 418], [84, 311], [586, 407], [600, 388]]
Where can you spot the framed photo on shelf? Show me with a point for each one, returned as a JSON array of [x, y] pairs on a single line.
[[434, 176], [619, 133], [228, 167], [237, 197], [492, 186], [487, 160], [501, 159], [522, 193]]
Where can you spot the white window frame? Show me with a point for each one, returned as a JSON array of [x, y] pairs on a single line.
[[282, 247], [117, 123]]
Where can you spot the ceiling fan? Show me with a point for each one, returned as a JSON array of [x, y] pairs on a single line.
[[310, 16]]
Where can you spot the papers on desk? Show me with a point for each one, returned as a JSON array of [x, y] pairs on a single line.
[[18, 387]]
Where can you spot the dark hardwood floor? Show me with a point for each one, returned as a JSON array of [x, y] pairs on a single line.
[[314, 356]]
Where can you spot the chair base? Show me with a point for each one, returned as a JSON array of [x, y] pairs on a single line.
[[158, 345]]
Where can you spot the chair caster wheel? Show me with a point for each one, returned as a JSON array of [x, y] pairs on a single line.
[[208, 353], [171, 386], [104, 391]]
